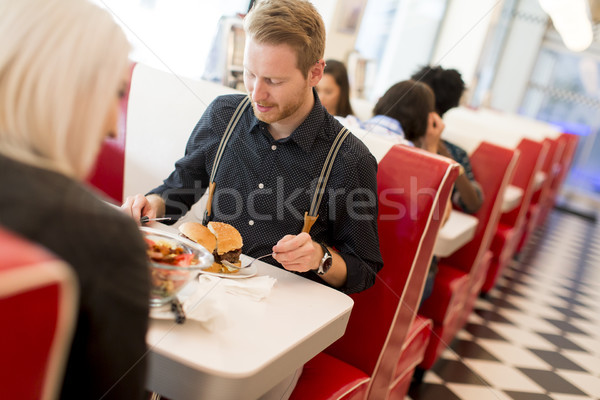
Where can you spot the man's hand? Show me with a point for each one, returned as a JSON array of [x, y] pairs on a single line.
[[139, 205], [298, 253], [435, 127]]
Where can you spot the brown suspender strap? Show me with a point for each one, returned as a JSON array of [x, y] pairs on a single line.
[[310, 217], [235, 118]]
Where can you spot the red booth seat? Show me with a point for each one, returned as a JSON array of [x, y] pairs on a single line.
[[38, 306], [512, 223], [461, 275], [383, 339]]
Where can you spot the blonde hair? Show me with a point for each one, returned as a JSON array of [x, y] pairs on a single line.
[[61, 63], [293, 22]]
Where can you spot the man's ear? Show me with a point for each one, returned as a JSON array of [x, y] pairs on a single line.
[[315, 73]]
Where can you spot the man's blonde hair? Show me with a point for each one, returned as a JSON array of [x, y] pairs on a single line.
[[293, 22], [61, 63]]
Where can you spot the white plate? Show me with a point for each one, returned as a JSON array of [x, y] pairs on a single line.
[[243, 273]]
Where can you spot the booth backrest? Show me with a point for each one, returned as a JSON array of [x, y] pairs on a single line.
[[163, 110], [531, 159], [38, 307], [493, 167], [413, 189], [107, 174]]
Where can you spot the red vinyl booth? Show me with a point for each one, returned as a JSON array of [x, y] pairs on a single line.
[[413, 190], [540, 197], [108, 172], [38, 306], [512, 223], [461, 275], [568, 143]]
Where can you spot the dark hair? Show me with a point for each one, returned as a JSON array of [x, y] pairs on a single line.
[[447, 85], [339, 73], [410, 103]]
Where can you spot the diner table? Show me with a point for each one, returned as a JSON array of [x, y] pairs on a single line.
[[458, 230], [512, 198], [255, 345]]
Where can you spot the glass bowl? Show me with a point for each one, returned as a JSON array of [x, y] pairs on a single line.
[[174, 262]]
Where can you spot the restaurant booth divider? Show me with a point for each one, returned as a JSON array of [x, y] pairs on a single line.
[[38, 312], [512, 224], [461, 275]]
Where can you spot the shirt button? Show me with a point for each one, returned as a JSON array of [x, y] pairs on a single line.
[[251, 222], [274, 147], [261, 185]]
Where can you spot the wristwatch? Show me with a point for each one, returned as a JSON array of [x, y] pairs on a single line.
[[326, 261]]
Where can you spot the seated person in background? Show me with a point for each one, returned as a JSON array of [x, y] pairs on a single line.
[[63, 71], [448, 86], [407, 110], [268, 171], [334, 89]]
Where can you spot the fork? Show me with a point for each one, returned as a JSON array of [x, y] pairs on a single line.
[[230, 265]]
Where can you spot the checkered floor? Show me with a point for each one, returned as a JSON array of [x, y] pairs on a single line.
[[537, 335]]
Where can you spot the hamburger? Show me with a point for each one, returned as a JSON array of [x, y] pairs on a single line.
[[221, 239]]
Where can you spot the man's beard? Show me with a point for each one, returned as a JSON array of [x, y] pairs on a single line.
[[278, 114]]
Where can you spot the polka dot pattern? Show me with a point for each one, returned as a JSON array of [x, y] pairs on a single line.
[[264, 186]]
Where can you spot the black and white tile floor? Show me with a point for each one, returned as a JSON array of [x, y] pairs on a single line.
[[537, 335]]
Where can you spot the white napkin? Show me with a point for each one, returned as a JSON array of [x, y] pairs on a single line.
[[256, 288], [205, 304]]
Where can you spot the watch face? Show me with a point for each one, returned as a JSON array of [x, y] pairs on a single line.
[[326, 261]]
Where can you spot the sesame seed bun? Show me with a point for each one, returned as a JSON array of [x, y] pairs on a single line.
[[199, 234], [228, 238]]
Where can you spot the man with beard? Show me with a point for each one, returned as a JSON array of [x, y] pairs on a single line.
[[263, 172]]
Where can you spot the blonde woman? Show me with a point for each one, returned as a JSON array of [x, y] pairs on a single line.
[[63, 71]]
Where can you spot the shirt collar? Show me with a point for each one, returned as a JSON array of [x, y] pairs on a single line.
[[305, 134]]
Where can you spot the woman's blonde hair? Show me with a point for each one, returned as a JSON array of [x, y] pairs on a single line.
[[293, 22], [61, 63]]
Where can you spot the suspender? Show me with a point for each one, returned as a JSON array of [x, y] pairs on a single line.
[[310, 216], [235, 118]]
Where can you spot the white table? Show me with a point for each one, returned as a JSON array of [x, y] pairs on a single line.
[[538, 180], [512, 198], [456, 232], [262, 343]]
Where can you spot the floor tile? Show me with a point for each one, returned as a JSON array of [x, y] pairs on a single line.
[[536, 335], [513, 355], [561, 342], [590, 345], [518, 336], [483, 331], [570, 313], [457, 372], [590, 385], [587, 361], [565, 326], [504, 377], [527, 396], [432, 391], [477, 392], [469, 349], [557, 360], [551, 381], [489, 315], [558, 396]]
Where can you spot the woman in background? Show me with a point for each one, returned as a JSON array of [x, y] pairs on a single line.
[[63, 71], [334, 89]]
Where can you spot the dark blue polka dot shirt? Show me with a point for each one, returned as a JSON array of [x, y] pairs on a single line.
[[264, 186]]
